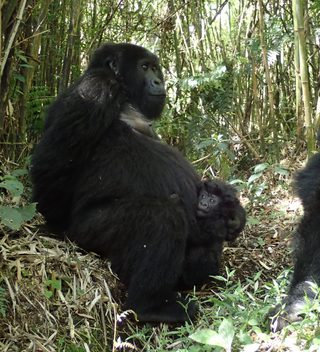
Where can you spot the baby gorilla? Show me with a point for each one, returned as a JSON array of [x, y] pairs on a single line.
[[219, 210], [220, 217]]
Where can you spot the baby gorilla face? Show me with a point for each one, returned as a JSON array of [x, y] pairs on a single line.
[[208, 203]]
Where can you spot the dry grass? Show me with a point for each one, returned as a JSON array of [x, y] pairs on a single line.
[[56, 294]]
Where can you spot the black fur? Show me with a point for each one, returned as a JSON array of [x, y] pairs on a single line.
[[307, 247], [220, 213], [107, 183], [222, 220]]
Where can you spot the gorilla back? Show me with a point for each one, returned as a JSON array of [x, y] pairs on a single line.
[[100, 177]]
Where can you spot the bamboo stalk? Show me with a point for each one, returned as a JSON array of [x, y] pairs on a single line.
[[12, 36], [298, 13], [268, 78]]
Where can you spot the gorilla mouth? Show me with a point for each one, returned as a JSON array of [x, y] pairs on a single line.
[[201, 213]]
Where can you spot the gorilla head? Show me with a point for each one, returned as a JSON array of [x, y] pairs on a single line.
[[140, 72]]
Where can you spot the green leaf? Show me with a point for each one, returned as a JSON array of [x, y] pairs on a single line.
[[54, 283], [252, 221], [226, 332], [28, 211], [208, 337], [260, 167], [19, 172], [205, 143], [11, 217], [253, 322], [48, 294], [254, 177], [12, 185], [222, 146], [19, 77]]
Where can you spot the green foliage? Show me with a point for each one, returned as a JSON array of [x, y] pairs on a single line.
[[229, 319], [51, 285], [221, 156], [214, 89], [14, 213], [257, 184], [223, 338], [66, 346], [39, 98], [3, 301]]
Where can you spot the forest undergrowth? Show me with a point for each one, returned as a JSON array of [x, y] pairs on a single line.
[[55, 297]]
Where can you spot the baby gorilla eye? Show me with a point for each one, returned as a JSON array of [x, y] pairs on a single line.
[[144, 67]]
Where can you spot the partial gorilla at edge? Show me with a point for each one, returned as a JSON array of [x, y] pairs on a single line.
[[102, 178], [306, 247]]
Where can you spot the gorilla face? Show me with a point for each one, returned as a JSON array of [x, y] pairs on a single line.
[[139, 72]]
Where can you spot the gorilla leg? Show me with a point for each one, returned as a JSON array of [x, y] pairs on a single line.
[[306, 272], [145, 239], [201, 262]]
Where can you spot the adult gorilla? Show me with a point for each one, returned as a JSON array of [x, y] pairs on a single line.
[[307, 248], [101, 177]]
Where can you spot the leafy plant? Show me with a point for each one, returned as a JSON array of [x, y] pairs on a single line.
[[51, 286], [256, 183], [14, 214], [223, 338]]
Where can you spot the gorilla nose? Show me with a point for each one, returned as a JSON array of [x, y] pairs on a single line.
[[203, 204], [157, 87]]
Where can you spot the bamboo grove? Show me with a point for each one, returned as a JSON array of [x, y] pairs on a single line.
[[238, 70]]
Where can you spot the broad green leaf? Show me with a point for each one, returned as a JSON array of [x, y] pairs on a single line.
[[19, 172], [11, 217], [208, 337], [226, 332], [28, 211], [12, 185]]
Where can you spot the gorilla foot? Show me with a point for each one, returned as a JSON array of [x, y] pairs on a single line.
[[293, 307], [283, 315], [168, 312]]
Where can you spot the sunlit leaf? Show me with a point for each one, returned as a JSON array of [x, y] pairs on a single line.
[[11, 217], [12, 185]]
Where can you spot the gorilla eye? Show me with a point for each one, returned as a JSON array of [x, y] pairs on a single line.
[[144, 67]]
